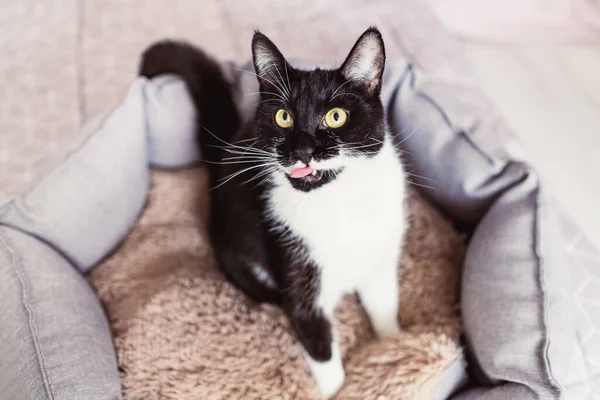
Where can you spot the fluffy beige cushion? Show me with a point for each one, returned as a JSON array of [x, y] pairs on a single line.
[[183, 332]]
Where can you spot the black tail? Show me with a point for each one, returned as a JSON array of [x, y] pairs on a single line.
[[218, 122], [212, 94]]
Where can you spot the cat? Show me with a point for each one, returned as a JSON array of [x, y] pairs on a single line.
[[308, 200]]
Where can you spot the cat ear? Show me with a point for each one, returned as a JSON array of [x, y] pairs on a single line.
[[366, 61], [269, 63]]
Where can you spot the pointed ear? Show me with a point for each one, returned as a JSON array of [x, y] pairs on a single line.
[[366, 61], [269, 63]]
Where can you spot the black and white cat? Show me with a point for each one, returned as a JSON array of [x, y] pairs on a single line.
[[308, 199]]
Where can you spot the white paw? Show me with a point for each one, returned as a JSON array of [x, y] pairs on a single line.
[[388, 328], [329, 375]]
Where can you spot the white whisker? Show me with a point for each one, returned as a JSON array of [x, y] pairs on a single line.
[[361, 147], [233, 162], [339, 87], [262, 77], [240, 152], [264, 101], [420, 185], [395, 146], [267, 171], [281, 77], [235, 174], [263, 180], [420, 176], [233, 145], [408, 136], [344, 94], [269, 93], [246, 140], [286, 75], [248, 157]]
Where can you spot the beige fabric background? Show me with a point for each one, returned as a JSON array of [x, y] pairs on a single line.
[[183, 332], [64, 61]]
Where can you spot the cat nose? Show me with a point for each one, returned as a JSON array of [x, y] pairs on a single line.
[[304, 147], [304, 155]]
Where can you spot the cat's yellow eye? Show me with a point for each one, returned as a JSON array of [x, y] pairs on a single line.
[[336, 117], [283, 118]]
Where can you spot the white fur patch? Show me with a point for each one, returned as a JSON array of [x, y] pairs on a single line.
[[329, 375], [263, 276], [379, 296], [352, 226]]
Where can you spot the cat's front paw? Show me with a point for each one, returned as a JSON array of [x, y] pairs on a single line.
[[329, 376], [387, 328]]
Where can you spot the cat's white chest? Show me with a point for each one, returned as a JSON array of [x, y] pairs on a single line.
[[352, 225]]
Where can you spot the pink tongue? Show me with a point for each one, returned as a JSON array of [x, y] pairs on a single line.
[[301, 172]]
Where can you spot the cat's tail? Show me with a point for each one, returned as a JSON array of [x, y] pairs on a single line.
[[218, 118], [218, 122]]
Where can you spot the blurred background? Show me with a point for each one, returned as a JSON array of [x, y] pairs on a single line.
[[539, 62], [63, 62]]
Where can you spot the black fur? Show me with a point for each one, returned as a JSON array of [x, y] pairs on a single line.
[[311, 95], [208, 88], [242, 232], [218, 122]]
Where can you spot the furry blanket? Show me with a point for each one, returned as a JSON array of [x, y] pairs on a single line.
[[183, 332]]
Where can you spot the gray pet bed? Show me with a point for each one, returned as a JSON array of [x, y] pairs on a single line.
[[521, 341]]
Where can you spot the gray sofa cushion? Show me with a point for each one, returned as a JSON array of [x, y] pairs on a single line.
[[88, 202], [56, 343], [56, 340], [85, 205], [60, 346], [515, 294]]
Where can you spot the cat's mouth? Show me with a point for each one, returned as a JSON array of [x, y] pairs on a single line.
[[306, 174]]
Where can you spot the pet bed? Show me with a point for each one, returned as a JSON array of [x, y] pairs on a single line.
[[183, 332], [520, 341]]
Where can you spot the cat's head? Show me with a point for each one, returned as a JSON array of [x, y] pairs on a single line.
[[319, 122]]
